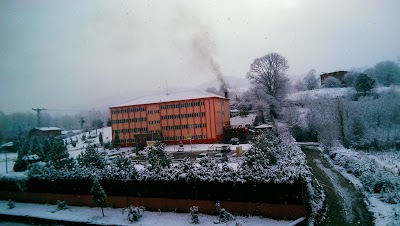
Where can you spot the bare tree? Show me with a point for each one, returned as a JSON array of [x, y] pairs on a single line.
[[268, 72]]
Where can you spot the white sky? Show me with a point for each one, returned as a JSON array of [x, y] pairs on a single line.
[[85, 54]]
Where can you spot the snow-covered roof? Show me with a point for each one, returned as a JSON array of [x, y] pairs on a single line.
[[9, 144], [243, 120], [183, 95], [263, 126], [47, 128]]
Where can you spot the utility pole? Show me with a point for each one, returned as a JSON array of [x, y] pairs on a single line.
[[82, 121], [38, 110]]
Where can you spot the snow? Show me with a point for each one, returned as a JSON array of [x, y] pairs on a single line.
[[242, 121], [47, 128], [263, 126], [321, 93], [114, 216], [183, 95], [384, 213]]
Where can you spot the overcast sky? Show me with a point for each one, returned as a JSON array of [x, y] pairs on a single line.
[[74, 55]]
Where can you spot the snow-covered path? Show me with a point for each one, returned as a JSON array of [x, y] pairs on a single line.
[[346, 204]]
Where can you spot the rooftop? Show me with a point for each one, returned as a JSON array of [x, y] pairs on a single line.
[[46, 128], [183, 95]]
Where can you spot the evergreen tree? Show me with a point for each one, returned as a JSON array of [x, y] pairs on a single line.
[[157, 157], [91, 158], [37, 148], [109, 122], [98, 195], [101, 138], [116, 140], [364, 84]]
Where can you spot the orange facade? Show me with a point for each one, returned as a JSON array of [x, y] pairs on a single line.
[[195, 120]]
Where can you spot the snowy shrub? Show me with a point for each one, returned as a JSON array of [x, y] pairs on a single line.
[[157, 157], [61, 205], [224, 216], [316, 201], [134, 213], [20, 165], [194, 214], [373, 179], [91, 157], [274, 158], [10, 204]]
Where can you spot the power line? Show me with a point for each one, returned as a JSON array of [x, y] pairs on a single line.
[[38, 110]]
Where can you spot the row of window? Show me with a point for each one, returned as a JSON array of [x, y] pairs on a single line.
[[133, 130], [186, 126], [129, 120], [189, 115], [153, 112], [183, 105], [179, 138], [128, 110], [174, 138], [154, 122]]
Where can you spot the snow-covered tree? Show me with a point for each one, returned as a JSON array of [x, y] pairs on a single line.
[[331, 82], [364, 84], [350, 78], [98, 195], [91, 158], [311, 81], [157, 157], [269, 73], [386, 73]]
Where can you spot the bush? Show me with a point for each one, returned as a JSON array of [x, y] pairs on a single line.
[[331, 82], [20, 165]]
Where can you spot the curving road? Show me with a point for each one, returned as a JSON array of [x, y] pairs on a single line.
[[346, 204]]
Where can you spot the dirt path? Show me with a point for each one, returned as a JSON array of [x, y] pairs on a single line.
[[345, 203]]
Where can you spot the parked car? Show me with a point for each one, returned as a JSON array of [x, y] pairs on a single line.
[[201, 156], [220, 157]]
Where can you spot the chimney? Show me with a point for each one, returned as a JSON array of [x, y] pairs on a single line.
[[226, 94]]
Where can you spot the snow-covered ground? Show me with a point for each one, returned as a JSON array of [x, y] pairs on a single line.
[[106, 131], [345, 159], [320, 93], [332, 93], [114, 216]]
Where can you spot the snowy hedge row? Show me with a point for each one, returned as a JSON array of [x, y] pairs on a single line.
[[374, 179], [274, 158]]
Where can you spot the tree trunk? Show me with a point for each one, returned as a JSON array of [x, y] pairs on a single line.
[[102, 211]]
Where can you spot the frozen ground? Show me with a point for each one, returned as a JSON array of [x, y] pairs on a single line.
[[114, 216]]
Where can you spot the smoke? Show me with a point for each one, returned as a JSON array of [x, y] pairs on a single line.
[[200, 44], [203, 48]]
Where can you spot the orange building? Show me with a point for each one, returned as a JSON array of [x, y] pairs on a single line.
[[191, 116]]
